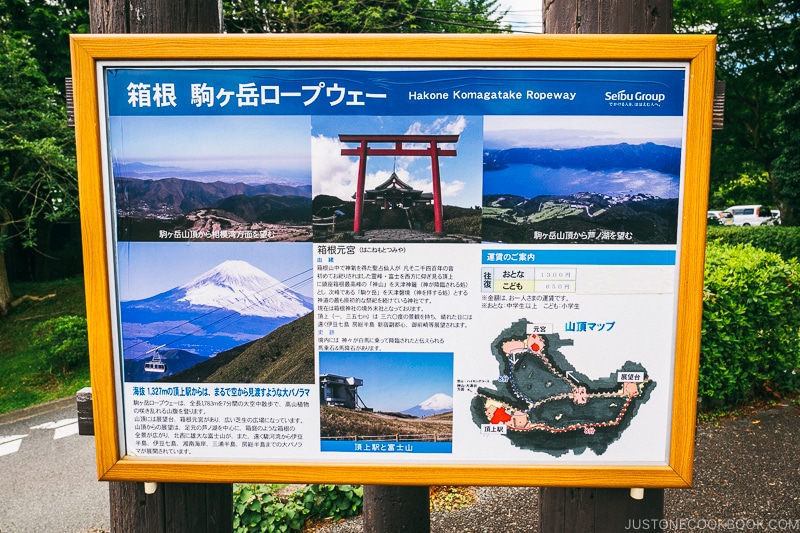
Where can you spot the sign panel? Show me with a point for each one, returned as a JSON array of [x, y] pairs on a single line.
[[410, 267]]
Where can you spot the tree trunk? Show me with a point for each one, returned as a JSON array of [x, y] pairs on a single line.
[[155, 16], [607, 16], [5, 288]]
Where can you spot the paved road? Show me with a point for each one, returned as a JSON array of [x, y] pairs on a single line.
[[48, 473]]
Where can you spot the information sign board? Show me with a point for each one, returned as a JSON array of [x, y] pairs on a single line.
[[394, 259]]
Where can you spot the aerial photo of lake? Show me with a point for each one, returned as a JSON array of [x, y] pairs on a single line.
[[533, 180]]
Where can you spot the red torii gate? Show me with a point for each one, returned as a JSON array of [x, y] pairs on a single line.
[[433, 150]]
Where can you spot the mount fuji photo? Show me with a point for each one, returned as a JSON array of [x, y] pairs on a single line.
[[436, 404], [231, 304], [369, 393]]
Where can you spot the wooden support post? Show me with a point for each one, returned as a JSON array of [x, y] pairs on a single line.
[[620, 16], [155, 16], [401, 509], [601, 510], [174, 507], [598, 510]]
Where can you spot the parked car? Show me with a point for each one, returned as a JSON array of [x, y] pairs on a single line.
[[720, 218], [751, 215]]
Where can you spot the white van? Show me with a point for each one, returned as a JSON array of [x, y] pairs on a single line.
[[751, 215], [720, 218]]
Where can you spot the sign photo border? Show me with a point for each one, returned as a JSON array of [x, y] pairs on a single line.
[[699, 51]]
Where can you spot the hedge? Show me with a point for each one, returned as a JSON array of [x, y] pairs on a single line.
[[751, 328], [783, 240]]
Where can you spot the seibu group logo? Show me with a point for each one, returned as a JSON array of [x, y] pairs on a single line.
[[639, 96]]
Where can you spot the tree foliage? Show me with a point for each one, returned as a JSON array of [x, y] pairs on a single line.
[[757, 57], [787, 164], [362, 16], [37, 177], [37, 165], [46, 25]]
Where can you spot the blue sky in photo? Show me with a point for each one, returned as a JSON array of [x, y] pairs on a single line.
[[158, 266], [461, 176], [273, 145], [393, 381]]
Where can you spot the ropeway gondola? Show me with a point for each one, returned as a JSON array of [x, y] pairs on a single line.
[[156, 364]]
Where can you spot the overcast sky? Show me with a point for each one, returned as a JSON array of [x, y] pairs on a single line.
[[525, 16]]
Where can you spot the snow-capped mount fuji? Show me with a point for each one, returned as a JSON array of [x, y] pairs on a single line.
[[230, 305], [438, 403], [241, 287]]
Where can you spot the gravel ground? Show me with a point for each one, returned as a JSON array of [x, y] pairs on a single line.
[[746, 468], [516, 508], [747, 475]]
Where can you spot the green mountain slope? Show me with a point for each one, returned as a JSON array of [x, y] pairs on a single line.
[[284, 356]]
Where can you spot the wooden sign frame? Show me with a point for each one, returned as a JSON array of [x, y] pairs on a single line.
[[89, 51]]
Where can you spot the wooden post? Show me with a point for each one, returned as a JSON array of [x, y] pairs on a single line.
[[606, 16], [173, 507], [155, 16], [390, 509], [598, 510], [602, 510]]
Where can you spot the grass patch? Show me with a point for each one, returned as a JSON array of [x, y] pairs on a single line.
[[342, 422], [25, 379]]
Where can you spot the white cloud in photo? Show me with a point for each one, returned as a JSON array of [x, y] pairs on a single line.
[[337, 175], [334, 175], [440, 126]]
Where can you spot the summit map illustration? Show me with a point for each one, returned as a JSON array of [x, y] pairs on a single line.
[[542, 403]]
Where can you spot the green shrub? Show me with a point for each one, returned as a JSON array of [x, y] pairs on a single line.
[[258, 509], [62, 343], [333, 501], [462, 220], [783, 240], [750, 345], [464, 225]]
